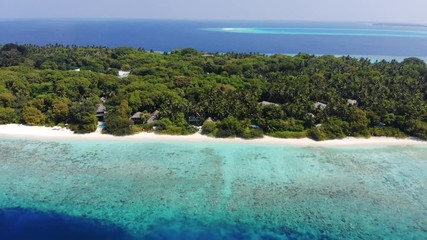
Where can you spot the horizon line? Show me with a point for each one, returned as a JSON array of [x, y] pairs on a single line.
[[419, 24]]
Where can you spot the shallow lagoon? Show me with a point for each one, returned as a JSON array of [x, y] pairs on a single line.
[[173, 190], [326, 31]]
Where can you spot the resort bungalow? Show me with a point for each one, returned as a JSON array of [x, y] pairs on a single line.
[[209, 119], [153, 117], [319, 105], [193, 120], [136, 118], [101, 112]]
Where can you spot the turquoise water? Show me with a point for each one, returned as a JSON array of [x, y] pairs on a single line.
[[172, 190], [327, 32]]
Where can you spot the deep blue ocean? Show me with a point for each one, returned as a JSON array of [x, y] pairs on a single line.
[[358, 39]]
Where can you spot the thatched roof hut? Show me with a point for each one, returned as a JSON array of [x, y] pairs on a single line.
[[101, 108], [153, 117], [209, 119], [136, 118], [100, 112]]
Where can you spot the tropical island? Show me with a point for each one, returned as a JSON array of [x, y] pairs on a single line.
[[245, 95]]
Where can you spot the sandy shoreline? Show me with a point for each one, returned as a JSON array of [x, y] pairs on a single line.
[[49, 133]]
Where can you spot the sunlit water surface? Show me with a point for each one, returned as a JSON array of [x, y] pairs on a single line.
[[171, 190]]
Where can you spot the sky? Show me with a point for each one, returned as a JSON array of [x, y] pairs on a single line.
[[395, 11]]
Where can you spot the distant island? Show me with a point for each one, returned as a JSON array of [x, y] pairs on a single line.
[[181, 92], [400, 25]]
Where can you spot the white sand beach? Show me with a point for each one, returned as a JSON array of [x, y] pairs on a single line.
[[56, 133]]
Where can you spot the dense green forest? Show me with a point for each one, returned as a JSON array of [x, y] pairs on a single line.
[[245, 95]]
